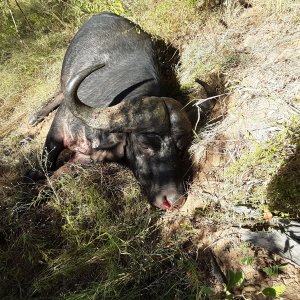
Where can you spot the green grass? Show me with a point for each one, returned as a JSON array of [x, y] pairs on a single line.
[[274, 171], [83, 238]]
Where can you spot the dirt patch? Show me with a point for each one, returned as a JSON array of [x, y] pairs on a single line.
[[232, 254]]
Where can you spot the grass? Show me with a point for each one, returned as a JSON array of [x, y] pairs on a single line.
[[276, 186], [80, 240], [277, 6], [173, 18]]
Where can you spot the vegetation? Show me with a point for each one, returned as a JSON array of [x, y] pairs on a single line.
[[90, 234], [76, 240], [281, 155]]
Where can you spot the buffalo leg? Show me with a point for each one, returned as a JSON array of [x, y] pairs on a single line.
[[53, 147], [47, 107]]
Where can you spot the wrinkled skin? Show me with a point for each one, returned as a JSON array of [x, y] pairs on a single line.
[[87, 144], [155, 158], [158, 160], [112, 110]]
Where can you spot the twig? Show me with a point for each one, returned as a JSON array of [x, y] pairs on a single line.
[[57, 18], [12, 16], [21, 10]]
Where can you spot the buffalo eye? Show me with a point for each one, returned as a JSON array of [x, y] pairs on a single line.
[[149, 141]]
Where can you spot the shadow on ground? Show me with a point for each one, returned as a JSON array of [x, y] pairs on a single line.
[[91, 234], [284, 188]]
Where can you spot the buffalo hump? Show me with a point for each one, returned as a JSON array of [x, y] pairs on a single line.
[[130, 67]]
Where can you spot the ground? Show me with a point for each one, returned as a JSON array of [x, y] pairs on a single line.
[[91, 234]]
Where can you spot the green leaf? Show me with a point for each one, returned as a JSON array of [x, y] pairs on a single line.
[[274, 270], [247, 260], [234, 279], [206, 290], [269, 292], [274, 291], [280, 289]]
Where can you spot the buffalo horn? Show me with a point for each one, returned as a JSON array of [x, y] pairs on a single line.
[[134, 115]]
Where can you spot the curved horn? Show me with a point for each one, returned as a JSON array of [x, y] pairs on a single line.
[[130, 115]]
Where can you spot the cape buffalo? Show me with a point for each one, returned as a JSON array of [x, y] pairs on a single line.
[[113, 109]]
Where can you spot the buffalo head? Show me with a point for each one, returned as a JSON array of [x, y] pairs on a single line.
[[155, 132]]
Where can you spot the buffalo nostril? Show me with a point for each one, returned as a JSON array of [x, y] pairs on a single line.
[[166, 202]]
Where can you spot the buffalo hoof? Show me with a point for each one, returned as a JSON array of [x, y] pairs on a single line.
[[35, 119]]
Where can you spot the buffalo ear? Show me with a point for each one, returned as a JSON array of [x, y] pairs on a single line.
[[180, 124]]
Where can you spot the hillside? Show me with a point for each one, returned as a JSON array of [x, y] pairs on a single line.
[[91, 234]]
